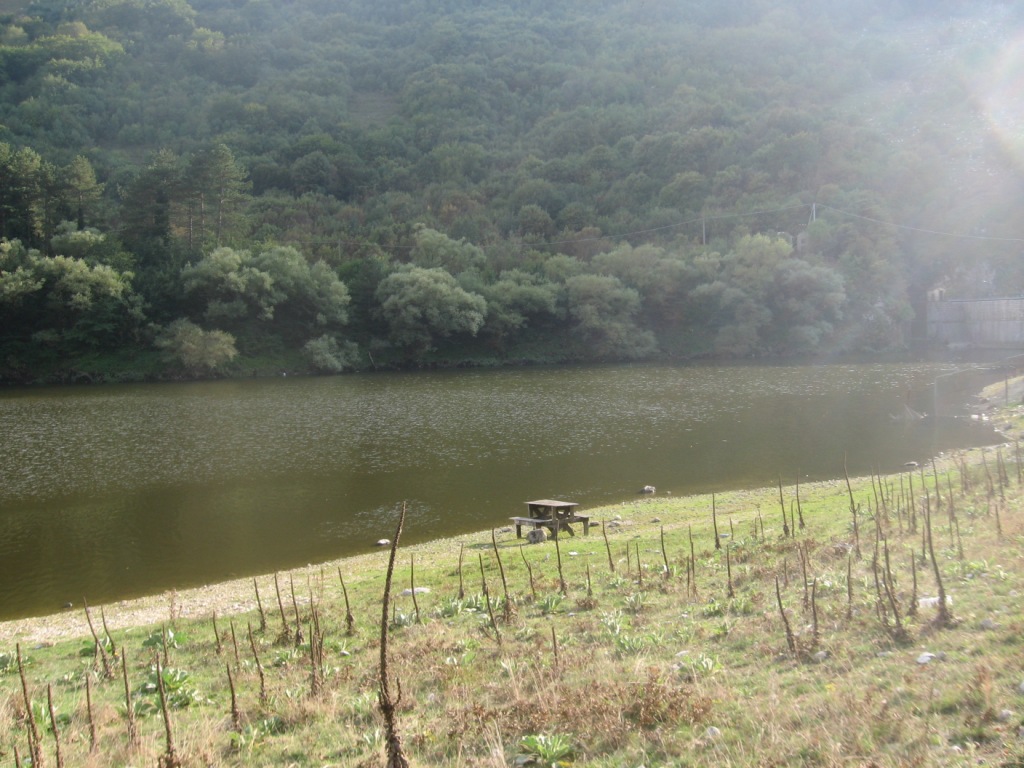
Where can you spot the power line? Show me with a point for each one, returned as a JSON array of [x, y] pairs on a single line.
[[688, 222], [921, 230]]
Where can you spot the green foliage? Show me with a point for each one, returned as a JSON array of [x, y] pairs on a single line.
[[179, 691], [186, 344], [545, 750], [164, 636], [63, 302], [254, 734], [326, 354], [604, 313], [277, 284], [606, 182], [422, 306]]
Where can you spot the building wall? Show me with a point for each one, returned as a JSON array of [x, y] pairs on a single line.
[[980, 322]]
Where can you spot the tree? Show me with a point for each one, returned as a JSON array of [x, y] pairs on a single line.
[[436, 249], [514, 301], [326, 354], [305, 296], [807, 305], [91, 246], [216, 189], [275, 286], [146, 207], [604, 313], [22, 208], [197, 351], [63, 301], [229, 287], [422, 306], [82, 188]]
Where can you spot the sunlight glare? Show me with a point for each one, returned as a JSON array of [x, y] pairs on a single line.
[[1002, 98]]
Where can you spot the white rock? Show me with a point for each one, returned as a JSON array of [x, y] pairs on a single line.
[[1005, 716], [712, 733], [820, 656], [419, 591], [925, 658], [383, 543]]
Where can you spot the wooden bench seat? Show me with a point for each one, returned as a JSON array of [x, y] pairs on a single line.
[[555, 524]]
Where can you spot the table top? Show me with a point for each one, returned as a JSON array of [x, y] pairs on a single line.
[[553, 504]]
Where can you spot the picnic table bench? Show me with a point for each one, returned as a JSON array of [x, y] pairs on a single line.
[[556, 515]]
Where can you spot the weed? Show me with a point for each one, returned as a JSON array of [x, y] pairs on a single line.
[[635, 602], [630, 645], [550, 603], [176, 682], [543, 750], [254, 734]]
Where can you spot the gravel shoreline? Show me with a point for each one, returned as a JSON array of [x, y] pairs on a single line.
[[226, 598]]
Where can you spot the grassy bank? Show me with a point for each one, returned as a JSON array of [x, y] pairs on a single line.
[[810, 636]]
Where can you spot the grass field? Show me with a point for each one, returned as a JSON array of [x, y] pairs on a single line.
[[809, 636]]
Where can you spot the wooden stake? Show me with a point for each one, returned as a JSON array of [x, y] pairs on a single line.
[[664, 554], [286, 630], [129, 708], [169, 759], [88, 710], [728, 571], [714, 522], [396, 754], [529, 571], [259, 668], [412, 585], [34, 739], [259, 605], [236, 717], [350, 622], [462, 590], [216, 634], [53, 726], [782, 504], [607, 546], [790, 640]]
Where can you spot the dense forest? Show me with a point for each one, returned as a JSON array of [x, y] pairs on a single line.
[[225, 186]]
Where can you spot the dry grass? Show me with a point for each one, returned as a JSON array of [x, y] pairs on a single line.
[[642, 671]]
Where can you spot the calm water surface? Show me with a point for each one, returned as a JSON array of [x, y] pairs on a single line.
[[117, 491]]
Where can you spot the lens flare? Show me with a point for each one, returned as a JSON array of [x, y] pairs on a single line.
[[1002, 99]]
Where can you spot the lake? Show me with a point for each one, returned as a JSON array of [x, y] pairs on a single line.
[[111, 492]]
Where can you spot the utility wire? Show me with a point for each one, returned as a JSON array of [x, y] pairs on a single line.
[[921, 230], [696, 220]]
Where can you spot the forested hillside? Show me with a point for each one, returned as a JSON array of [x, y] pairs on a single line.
[[234, 185]]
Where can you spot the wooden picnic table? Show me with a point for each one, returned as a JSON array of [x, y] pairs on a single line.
[[556, 515]]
